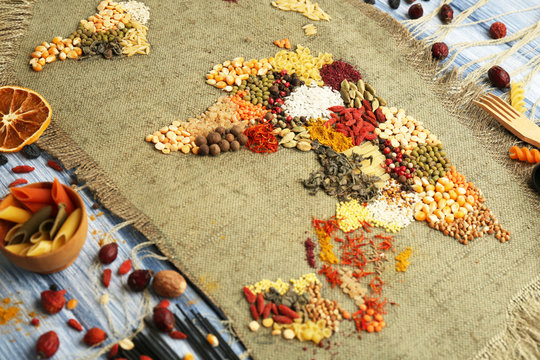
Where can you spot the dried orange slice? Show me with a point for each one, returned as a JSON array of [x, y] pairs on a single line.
[[24, 116]]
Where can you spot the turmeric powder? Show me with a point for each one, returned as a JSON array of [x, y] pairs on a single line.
[[327, 249], [7, 313], [328, 136], [402, 260]]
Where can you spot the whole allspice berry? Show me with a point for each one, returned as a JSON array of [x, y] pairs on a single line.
[[200, 140], [214, 150], [446, 14], [203, 150], [439, 51], [242, 139], [224, 145], [416, 11], [235, 145]]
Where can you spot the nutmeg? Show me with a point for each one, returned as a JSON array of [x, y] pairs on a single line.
[[169, 283]]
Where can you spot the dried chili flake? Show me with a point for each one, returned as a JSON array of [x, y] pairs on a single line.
[[18, 182], [22, 169], [54, 165], [107, 273], [125, 267], [175, 334], [333, 74]]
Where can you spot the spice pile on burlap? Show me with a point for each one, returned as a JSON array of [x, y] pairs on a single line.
[[240, 217]]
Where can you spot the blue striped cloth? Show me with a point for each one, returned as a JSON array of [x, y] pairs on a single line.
[[82, 279]]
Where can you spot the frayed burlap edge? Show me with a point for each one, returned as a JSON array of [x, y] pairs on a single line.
[[521, 338], [14, 18], [456, 95]]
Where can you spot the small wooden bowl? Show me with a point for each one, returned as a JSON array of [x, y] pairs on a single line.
[[60, 258]]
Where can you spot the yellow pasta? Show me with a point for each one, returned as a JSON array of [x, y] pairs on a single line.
[[517, 96], [39, 236], [19, 249], [326, 332], [15, 214], [12, 232], [69, 227], [40, 248]]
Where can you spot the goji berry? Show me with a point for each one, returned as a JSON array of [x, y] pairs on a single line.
[[22, 169], [125, 267], [18, 182], [175, 334], [113, 352], [145, 357], [250, 296], [75, 324], [107, 273], [260, 303], [254, 313], [54, 165], [285, 310], [266, 311]]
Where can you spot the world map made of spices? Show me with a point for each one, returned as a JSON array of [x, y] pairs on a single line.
[[384, 167]]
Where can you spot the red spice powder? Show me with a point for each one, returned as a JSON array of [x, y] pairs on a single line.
[[333, 74], [310, 256]]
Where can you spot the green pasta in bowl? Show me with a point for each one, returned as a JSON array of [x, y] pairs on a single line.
[[43, 226]]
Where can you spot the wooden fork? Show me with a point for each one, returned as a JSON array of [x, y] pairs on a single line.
[[510, 118]]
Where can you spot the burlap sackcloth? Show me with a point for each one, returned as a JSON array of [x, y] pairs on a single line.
[[240, 217]]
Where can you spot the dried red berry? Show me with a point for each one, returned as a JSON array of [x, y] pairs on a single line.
[[439, 51], [163, 319], [497, 30], [35, 322], [254, 312], [416, 11], [446, 14], [260, 303], [145, 357], [107, 273], [111, 355], [47, 345], [125, 267], [108, 253], [138, 280], [499, 77], [18, 182], [54, 165], [22, 169], [75, 324], [164, 303], [53, 301], [94, 336], [250, 296], [178, 335]]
